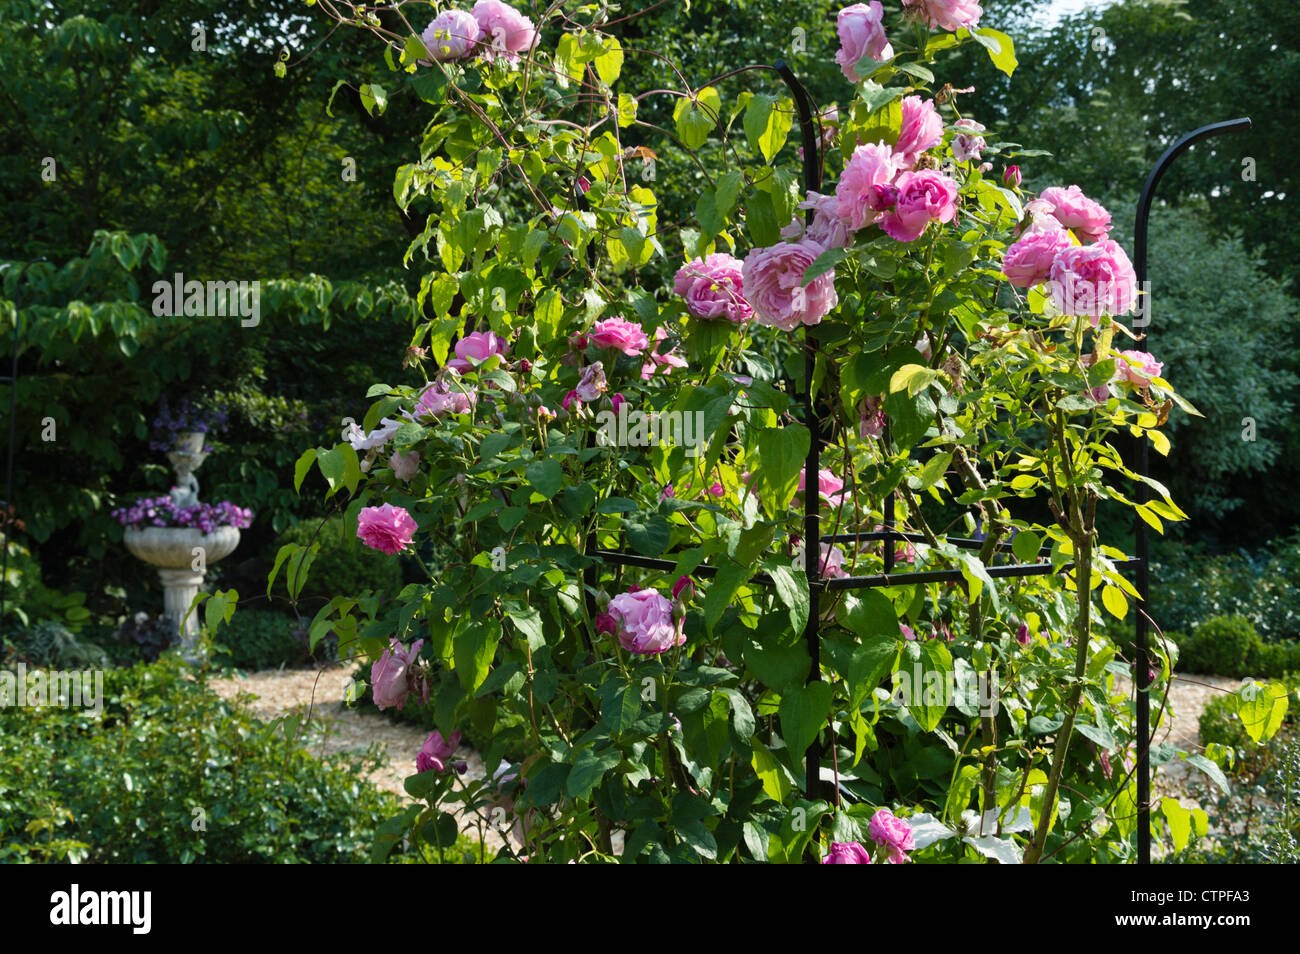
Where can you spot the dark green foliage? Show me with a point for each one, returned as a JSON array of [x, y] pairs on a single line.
[[1230, 646], [267, 639], [344, 566], [133, 785]]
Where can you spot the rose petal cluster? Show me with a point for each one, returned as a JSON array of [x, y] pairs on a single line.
[[923, 197], [773, 279], [893, 834], [714, 288], [388, 529], [620, 334], [436, 752], [861, 30], [948, 15], [478, 346], [395, 674], [644, 622]]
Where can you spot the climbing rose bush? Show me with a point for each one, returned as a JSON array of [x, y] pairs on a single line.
[[596, 460]]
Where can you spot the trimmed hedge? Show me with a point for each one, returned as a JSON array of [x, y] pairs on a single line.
[[1230, 646]]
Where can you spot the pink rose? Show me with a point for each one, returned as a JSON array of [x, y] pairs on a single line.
[[605, 624], [906, 631], [569, 401], [592, 385], [832, 561], [617, 401], [390, 676], [1028, 262], [828, 229], [480, 346], [893, 834], [861, 30], [619, 334], [922, 129], [439, 399], [949, 15], [645, 622], [968, 144], [1011, 177], [1139, 369], [858, 200], [713, 288], [1022, 635], [829, 487], [388, 529], [923, 197], [1087, 219], [685, 585], [656, 362], [774, 285], [405, 466], [506, 32], [1093, 280], [436, 752], [847, 854], [451, 35]]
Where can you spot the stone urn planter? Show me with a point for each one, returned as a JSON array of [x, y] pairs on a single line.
[[181, 555]]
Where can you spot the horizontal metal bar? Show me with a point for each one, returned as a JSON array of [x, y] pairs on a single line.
[[965, 543], [1013, 570]]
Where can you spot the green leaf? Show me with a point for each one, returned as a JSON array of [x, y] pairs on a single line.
[[792, 588], [770, 774], [545, 476], [609, 64], [781, 453], [1210, 769], [475, 647], [1262, 708], [1112, 597], [696, 118], [589, 768], [730, 577], [1026, 546], [1180, 821], [373, 98], [767, 125], [1001, 50], [824, 263], [804, 711], [301, 468], [649, 538]]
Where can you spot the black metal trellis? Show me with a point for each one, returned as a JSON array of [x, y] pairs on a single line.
[[1141, 660], [813, 786]]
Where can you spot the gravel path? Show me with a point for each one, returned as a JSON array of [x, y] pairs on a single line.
[[272, 693]]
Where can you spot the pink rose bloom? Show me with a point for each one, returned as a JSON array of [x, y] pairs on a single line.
[[847, 854], [829, 487], [906, 631], [380, 436], [451, 35], [645, 622], [1093, 280], [619, 334], [436, 752], [480, 346], [1139, 373], [656, 362], [861, 30], [968, 144], [592, 385], [617, 401], [569, 400], [388, 529], [832, 561], [405, 466], [872, 424], [1022, 634], [717, 490], [1087, 219], [1028, 262], [390, 674], [892, 833], [922, 129], [713, 288], [506, 31], [857, 201], [949, 15], [923, 197], [439, 399], [829, 229], [774, 285]]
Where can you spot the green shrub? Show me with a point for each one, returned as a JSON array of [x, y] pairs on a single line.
[[168, 772], [343, 565], [1224, 645], [49, 643]]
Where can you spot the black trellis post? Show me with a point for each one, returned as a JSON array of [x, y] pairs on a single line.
[[1141, 658]]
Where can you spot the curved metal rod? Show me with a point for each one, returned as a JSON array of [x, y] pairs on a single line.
[[1141, 661]]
